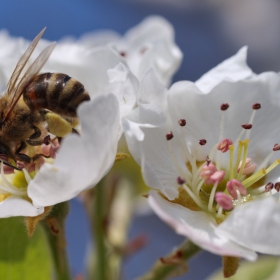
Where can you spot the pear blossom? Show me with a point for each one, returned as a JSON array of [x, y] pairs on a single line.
[[80, 162], [214, 175], [150, 44]]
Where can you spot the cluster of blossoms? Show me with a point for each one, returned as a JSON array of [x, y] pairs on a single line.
[[110, 68], [208, 149]]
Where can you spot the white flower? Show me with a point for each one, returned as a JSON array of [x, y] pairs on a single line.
[[209, 168], [81, 161], [147, 45]]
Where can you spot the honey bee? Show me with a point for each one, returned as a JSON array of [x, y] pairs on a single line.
[[33, 101]]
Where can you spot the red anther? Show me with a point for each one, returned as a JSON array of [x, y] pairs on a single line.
[[247, 126], [276, 147], [223, 146], [277, 186], [233, 186], [180, 181], [269, 186], [224, 200], [224, 106], [182, 122], [123, 54], [202, 142], [169, 136], [256, 106]]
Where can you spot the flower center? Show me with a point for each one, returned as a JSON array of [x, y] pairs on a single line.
[[217, 186]]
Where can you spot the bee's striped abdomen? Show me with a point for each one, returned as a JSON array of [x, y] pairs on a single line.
[[56, 92]]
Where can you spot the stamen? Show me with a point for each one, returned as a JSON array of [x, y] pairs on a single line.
[[194, 198], [233, 186], [231, 159], [277, 186], [169, 136], [199, 187], [224, 200], [239, 200], [202, 142], [181, 181], [207, 171], [212, 195], [247, 126], [254, 178], [223, 146], [182, 122], [224, 106], [276, 147], [239, 153], [256, 106], [249, 167], [269, 186], [245, 152], [182, 173]]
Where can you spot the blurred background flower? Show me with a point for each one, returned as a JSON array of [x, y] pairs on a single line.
[[207, 32]]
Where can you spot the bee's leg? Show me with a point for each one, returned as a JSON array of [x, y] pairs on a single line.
[[22, 157], [57, 125], [36, 134], [46, 141]]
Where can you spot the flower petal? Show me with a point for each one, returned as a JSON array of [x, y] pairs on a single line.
[[233, 69], [82, 160], [255, 225], [198, 226], [17, 206]]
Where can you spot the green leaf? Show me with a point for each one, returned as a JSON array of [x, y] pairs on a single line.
[[23, 258], [263, 269]]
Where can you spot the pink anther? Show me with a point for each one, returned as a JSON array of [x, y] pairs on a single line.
[[223, 146], [233, 186], [249, 167], [224, 200]]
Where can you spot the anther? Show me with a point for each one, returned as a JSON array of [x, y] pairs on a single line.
[[180, 181], [249, 167], [169, 136], [224, 106], [208, 161], [233, 186], [269, 186], [277, 186], [256, 106], [276, 147], [223, 146], [123, 54], [247, 126], [202, 142], [182, 122], [224, 200]]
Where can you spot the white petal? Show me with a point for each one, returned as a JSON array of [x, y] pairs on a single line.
[[17, 206], [255, 225], [82, 160], [203, 114], [197, 226], [233, 69], [125, 86]]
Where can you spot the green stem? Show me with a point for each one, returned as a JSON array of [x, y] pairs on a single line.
[[173, 264], [100, 267], [54, 229]]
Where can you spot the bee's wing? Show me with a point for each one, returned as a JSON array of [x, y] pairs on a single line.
[[21, 64], [30, 73]]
